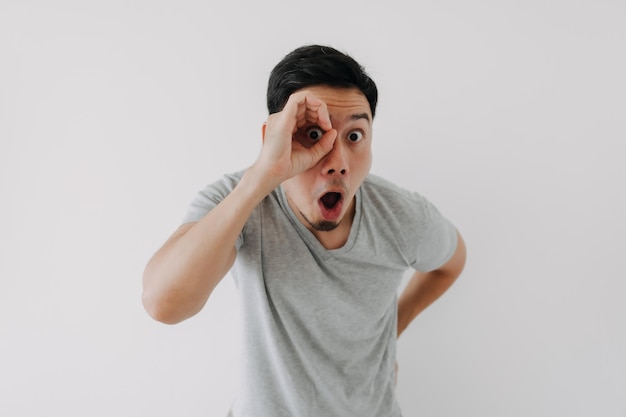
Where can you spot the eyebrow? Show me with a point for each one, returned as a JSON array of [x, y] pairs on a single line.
[[358, 116]]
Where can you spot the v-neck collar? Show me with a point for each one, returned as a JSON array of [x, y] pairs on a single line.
[[309, 237]]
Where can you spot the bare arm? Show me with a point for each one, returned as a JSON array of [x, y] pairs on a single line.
[[181, 275], [426, 287], [184, 271]]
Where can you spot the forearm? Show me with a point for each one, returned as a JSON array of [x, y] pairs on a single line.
[[181, 275], [421, 291]]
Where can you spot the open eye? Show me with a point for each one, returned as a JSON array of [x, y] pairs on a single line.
[[314, 133], [355, 136]]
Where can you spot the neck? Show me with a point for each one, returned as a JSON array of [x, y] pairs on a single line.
[[336, 238], [330, 239]]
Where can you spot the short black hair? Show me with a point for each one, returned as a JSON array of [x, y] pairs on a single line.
[[317, 65]]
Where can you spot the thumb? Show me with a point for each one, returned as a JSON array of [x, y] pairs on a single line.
[[324, 145]]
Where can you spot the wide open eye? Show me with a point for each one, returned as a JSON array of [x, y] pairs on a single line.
[[355, 136], [314, 133]]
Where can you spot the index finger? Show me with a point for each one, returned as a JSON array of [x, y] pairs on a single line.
[[309, 109]]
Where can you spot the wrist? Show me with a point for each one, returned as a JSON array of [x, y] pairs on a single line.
[[258, 182]]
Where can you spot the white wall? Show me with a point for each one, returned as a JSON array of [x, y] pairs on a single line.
[[510, 116]]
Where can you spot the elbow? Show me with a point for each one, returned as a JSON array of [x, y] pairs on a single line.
[[168, 302], [163, 305], [155, 299], [166, 308], [159, 310]]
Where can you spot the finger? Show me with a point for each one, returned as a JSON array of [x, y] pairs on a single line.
[[324, 145], [321, 116], [308, 156], [309, 110], [291, 114], [317, 112]]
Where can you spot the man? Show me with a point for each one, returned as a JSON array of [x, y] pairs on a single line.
[[318, 248]]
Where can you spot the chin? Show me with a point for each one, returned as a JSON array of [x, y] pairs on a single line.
[[322, 225], [325, 225]]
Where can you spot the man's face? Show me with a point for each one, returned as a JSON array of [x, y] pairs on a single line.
[[323, 197]]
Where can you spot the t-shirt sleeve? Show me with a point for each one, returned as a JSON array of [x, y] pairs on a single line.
[[209, 197], [436, 240]]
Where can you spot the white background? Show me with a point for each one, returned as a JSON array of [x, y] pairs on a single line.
[[509, 115]]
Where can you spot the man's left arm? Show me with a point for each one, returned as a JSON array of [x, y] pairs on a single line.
[[426, 287]]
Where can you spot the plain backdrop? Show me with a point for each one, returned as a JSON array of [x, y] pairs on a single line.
[[509, 115]]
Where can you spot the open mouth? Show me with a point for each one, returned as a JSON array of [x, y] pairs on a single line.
[[330, 200], [331, 204]]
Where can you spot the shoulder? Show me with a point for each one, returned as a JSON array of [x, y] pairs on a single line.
[[226, 183], [380, 184], [427, 237], [385, 195], [397, 206], [211, 195], [217, 190]]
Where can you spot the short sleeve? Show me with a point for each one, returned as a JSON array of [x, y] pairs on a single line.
[[209, 197], [437, 240]]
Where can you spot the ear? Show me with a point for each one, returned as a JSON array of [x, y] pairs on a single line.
[[263, 131]]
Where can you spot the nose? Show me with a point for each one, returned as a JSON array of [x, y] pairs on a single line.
[[336, 161]]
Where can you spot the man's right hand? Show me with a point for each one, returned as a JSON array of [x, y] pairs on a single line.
[[283, 157]]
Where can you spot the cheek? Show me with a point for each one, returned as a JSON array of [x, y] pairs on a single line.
[[296, 188], [363, 162]]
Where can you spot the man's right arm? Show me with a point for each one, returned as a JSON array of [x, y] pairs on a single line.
[[181, 275]]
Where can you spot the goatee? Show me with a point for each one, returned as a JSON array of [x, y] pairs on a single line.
[[322, 225]]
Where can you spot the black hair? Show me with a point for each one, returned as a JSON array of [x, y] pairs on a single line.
[[317, 65]]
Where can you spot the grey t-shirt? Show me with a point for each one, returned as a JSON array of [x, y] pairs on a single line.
[[320, 326]]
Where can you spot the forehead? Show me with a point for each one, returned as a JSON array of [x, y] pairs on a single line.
[[342, 102]]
